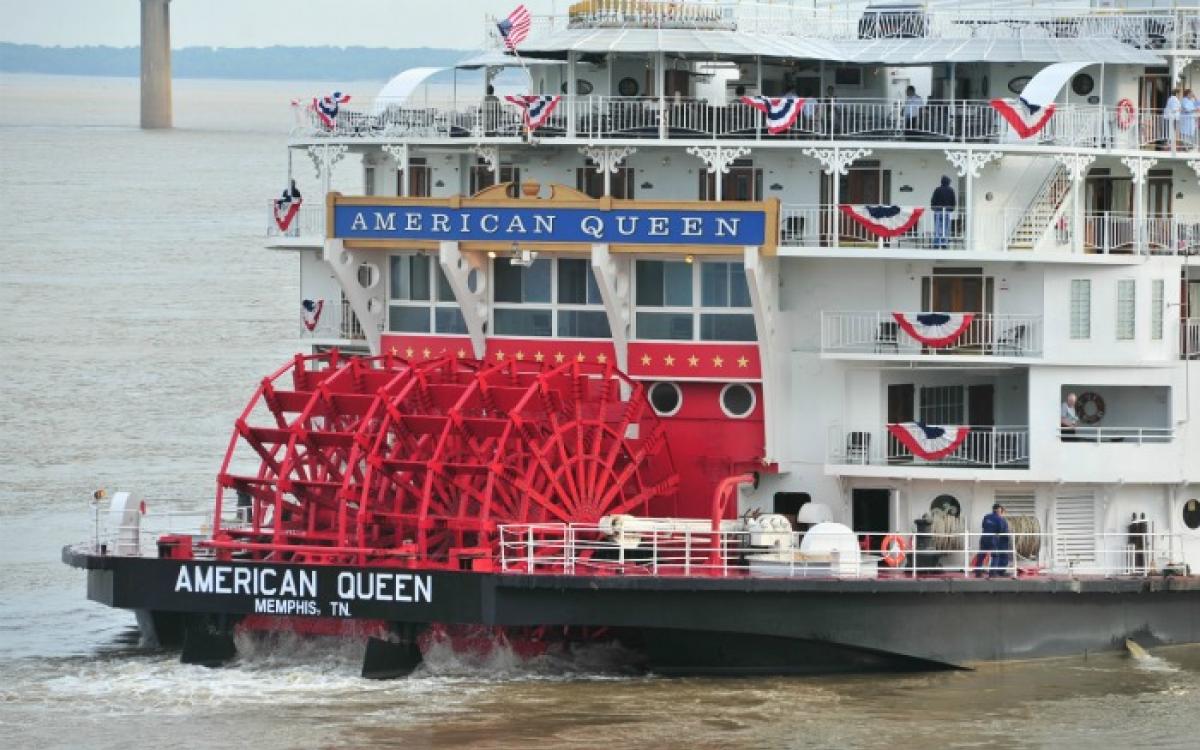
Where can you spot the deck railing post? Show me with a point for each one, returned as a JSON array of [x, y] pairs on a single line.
[[687, 552], [966, 554], [529, 551]]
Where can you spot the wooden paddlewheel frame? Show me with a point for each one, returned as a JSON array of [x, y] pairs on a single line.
[[378, 460]]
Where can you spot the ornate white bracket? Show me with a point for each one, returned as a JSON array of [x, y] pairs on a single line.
[[836, 160], [367, 303], [971, 162], [612, 279], [718, 158], [489, 154], [1181, 66], [1138, 167], [1076, 164], [458, 268], [324, 156], [398, 152], [1195, 165], [607, 158]]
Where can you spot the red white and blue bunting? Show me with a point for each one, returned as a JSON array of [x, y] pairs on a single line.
[[884, 221], [310, 312], [937, 330], [781, 111], [1026, 118], [286, 209], [537, 108], [927, 441], [328, 107]]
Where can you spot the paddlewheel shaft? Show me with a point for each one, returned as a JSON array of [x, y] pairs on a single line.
[[376, 460]]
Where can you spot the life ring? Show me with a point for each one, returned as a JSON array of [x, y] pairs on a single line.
[[1125, 114], [893, 548], [1089, 407]]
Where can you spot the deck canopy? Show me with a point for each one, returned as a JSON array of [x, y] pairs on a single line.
[[733, 45]]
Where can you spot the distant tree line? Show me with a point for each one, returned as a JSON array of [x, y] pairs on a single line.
[[284, 63]]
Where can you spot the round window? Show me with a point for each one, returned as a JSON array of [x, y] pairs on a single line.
[[1016, 85], [947, 504], [665, 398], [1191, 514], [737, 400], [1082, 84], [627, 87], [582, 87]]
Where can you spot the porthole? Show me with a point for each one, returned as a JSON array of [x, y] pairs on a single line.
[[737, 400], [1191, 514], [947, 504], [1082, 84], [368, 275], [665, 398]]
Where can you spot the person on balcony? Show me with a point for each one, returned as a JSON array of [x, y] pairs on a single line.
[[829, 110], [911, 110], [1068, 420], [1171, 112], [943, 203], [1187, 119], [491, 111]]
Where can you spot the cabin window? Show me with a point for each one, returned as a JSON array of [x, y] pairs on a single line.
[[1081, 309], [723, 285], [1191, 514], [666, 288], [418, 295], [667, 291], [481, 177], [942, 405], [368, 180], [1158, 289], [550, 297], [1126, 309], [588, 180], [420, 179]]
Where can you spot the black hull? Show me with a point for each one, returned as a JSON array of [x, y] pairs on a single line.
[[704, 625]]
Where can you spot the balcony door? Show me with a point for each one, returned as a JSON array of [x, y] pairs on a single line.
[[866, 182]]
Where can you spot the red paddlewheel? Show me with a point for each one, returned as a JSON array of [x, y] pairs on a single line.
[[374, 459]]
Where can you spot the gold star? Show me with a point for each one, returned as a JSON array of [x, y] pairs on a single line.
[[742, 361], [520, 356], [717, 361], [408, 352], [646, 359], [538, 356], [579, 357], [426, 352], [461, 353], [559, 357], [601, 358], [395, 352], [693, 361], [669, 360], [499, 356]]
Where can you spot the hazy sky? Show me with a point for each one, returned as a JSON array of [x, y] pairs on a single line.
[[261, 23]]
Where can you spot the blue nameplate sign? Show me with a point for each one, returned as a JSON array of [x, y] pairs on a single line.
[[535, 224]]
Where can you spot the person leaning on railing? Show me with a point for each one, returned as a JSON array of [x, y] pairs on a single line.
[[1068, 420], [943, 202]]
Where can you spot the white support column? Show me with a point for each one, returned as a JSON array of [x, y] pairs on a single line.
[[835, 162], [717, 160], [571, 108], [762, 278], [458, 266], [607, 160], [1138, 169], [969, 163], [660, 74], [367, 303], [399, 154], [1077, 167], [612, 278]]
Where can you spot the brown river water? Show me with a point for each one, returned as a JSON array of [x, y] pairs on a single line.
[[138, 309]]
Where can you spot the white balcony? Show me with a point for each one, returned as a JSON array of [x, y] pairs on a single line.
[[984, 448], [336, 323], [1098, 435], [1118, 232], [597, 117], [306, 227], [1190, 338], [813, 226], [879, 333]]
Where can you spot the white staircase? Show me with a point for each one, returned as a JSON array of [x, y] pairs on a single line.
[[1037, 217]]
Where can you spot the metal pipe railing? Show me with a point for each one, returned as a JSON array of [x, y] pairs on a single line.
[[877, 332], [1000, 447]]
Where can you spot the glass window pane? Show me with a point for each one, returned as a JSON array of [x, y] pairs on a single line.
[[678, 283], [1126, 309], [420, 277], [537, 281], [1081, 309], [667, 326], [523, 322], [583, 324], [649, 283], [409, 277], [572, 281], [507, 280], [714, 284], [407, 319], [727, 327], [449, 320], [444, 293], [739, 289], [593, 289]]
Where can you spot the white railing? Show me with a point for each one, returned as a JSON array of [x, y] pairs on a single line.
[[309, 221], [1120, 232], [1189, 344], [139, 536], [827, 226], [1096, 434], [822, 19], [879, 333], [984, 447], [688, 548], [596, 116]]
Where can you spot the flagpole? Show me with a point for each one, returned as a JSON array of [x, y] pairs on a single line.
[[529, 76]]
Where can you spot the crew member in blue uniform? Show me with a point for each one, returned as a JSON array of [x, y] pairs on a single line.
[[995, 540]]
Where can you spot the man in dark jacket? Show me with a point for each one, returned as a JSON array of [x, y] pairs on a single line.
[[995, 540], [943, 204]]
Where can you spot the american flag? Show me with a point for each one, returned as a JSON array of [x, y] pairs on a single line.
[[515, 28]]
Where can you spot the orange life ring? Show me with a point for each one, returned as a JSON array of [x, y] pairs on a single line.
[[893, 549], [1125, 114]]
